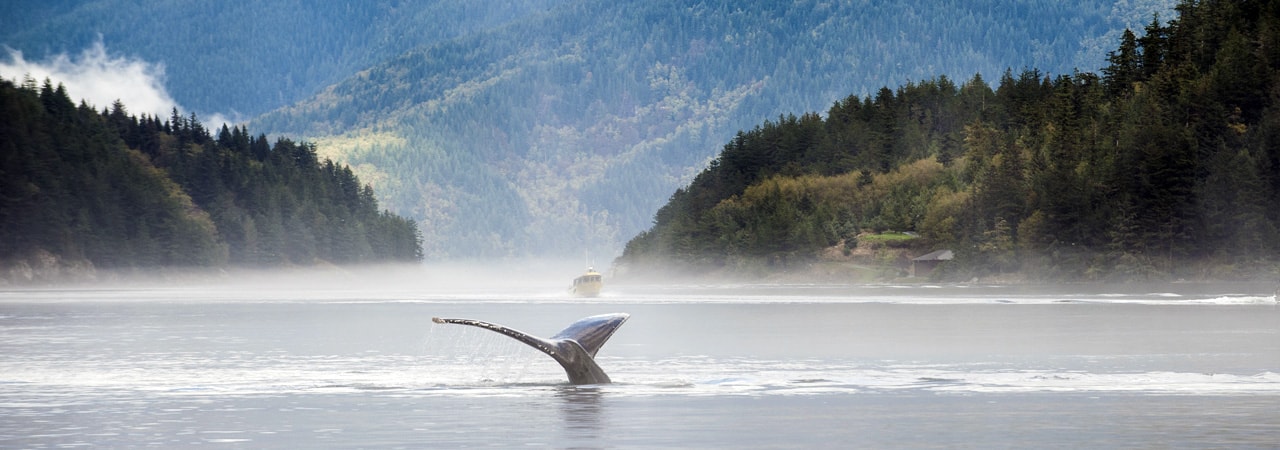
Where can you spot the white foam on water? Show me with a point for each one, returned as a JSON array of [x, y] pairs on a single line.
[[515, 375]]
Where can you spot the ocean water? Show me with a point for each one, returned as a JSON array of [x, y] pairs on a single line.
[[696, 366]]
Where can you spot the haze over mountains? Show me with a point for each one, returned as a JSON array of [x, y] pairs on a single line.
[[550, 128]]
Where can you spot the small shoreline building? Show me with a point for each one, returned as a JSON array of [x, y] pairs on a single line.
[[922, 265]]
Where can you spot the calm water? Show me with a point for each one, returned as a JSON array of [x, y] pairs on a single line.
[[329, 365]]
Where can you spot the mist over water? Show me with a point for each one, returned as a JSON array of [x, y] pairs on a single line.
[[342, 358]]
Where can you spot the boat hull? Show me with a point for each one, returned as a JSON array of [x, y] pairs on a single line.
[[587, 285]]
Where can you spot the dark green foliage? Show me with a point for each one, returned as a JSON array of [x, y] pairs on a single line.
[[72, 189], [1166, 165], [118, 191]]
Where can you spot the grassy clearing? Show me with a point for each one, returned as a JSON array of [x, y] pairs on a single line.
[[890, 239]]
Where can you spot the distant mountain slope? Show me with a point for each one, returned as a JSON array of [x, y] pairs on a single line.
[[247, 57], [567, 130]]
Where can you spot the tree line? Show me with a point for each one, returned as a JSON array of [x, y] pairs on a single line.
[[110, 190], [1167, 164]]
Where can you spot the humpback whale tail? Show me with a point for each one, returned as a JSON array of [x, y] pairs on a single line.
[[574, 347]]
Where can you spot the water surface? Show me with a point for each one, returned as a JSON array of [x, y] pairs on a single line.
[[780, 366]]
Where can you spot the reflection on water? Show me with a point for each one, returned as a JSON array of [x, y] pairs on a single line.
[[582, 411]]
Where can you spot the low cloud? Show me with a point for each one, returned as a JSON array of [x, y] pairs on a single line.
[[99, 79], [214, 122]]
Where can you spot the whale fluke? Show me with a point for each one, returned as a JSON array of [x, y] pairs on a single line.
[[574, 348]]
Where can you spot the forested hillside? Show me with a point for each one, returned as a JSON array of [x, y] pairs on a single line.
[[567, 129], [83, 190], [1166, 164]]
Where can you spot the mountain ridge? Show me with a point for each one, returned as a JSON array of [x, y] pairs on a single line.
[[588, 138], [560, 126]]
